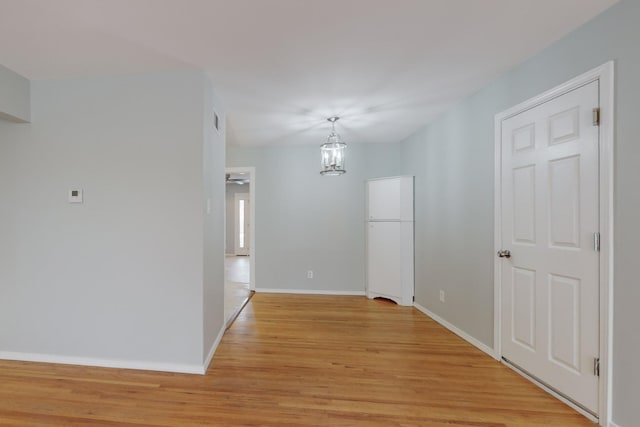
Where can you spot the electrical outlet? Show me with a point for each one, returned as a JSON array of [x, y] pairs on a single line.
[[441, 296], [310, 274]]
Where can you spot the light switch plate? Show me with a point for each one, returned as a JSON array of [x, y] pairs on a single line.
[[75, 195]]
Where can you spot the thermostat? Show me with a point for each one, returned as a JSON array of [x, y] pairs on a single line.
[[75, 196]]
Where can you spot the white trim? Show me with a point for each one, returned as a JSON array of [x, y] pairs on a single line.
[[213, 349], [612, 424], [459, 332], [308, 292], [103, 363], [497, 238], [607, 138], [252, 224], [552, 392], [605, 75], [390, 177]]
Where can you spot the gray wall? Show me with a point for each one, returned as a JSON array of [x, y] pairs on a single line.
[[15, 99], [119, 277], [213, 160], [305, 221], [231, 191], [453, 162]]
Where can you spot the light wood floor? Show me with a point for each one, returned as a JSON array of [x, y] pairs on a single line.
[[236, 268], [297, 360], [236, 284]]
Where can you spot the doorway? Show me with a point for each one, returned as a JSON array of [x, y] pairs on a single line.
[[553, 213], [239, 240]]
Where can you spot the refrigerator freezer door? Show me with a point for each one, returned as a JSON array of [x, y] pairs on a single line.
[[390, 199]]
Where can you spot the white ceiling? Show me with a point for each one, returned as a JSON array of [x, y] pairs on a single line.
[[282, 66]]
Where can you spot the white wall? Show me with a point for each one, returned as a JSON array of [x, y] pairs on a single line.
[[120, 277], [454, 166], [15, 99], [305, 221]]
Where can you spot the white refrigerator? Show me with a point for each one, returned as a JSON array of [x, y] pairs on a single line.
[[389, 230]]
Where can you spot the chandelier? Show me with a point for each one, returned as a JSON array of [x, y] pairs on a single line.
[[332, 152]]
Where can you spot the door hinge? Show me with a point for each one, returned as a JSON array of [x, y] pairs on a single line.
[[596, 242], [596, 116], [596, 366]]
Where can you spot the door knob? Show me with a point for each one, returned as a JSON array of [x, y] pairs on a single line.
[[504, 253]]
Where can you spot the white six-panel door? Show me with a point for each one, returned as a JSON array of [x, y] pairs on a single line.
[[550, 205]]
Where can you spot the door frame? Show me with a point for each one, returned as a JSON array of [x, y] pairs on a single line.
[[252, 222], [605, 75]]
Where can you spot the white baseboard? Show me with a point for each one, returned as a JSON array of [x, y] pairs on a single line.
[[459, 332], [612, 424], [103, 363], [213, 349], [307, 292]]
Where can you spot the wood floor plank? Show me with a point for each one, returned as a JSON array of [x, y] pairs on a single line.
[[292, 360]]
